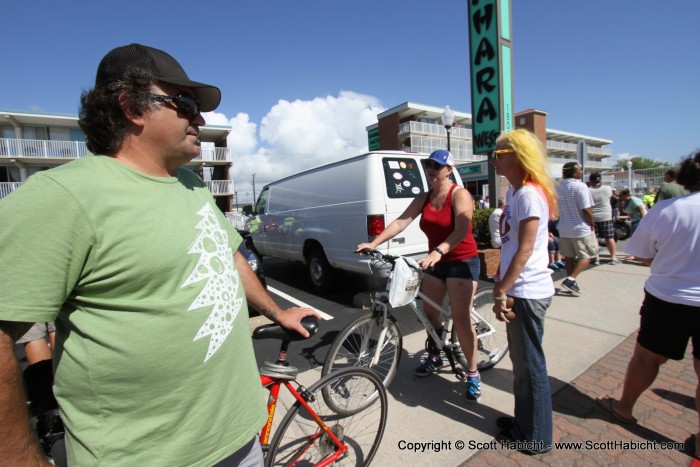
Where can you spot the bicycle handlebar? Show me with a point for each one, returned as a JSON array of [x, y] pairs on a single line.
[[377, 255]]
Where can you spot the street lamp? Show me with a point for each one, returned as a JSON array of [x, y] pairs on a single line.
[[448, 118], [629, 175]]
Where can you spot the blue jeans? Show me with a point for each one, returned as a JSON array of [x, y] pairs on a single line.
[[533, 398]]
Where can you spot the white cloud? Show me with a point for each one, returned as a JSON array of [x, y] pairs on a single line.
[[295, 136]]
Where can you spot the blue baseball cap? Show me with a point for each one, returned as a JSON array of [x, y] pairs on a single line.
[[442, 157]]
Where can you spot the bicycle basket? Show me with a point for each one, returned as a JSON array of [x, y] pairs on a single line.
[[404, 282]]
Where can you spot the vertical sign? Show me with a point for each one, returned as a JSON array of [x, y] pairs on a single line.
[[373, 139], [490, 53]]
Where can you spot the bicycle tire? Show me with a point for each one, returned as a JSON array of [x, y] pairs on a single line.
[[298, 440], [355, 345], [491, 349]]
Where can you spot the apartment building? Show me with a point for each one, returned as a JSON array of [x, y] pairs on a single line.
[[31, 142], [417, 127]]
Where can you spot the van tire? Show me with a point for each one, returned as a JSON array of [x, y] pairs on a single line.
[[321, 273]]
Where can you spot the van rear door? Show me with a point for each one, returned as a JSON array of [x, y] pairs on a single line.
[[403, 181]]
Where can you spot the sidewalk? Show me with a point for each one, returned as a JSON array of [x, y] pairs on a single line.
[[665, 413], [588, 342]]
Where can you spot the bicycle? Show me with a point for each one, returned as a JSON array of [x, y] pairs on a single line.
[[374, 339], [339, 427]]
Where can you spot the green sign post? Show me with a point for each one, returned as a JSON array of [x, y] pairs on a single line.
[[490, 52]]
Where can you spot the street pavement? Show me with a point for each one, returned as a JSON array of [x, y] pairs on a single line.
[[588, 341]]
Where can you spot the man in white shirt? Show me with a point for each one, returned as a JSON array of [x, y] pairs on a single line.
[[602, 214], [577, 242], [495, 225]]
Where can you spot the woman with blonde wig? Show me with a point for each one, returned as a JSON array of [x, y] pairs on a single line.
[[525, 289]]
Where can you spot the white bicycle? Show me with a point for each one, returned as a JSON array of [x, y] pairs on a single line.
[[374, 340]]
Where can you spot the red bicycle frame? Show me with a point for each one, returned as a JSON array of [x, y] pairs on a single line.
[[274, 385]]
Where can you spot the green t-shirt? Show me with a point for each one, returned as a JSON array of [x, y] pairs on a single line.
[[670, 190], [631, 208], [154, 360]]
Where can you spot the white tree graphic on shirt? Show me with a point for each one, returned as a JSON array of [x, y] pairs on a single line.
[[215, 265]]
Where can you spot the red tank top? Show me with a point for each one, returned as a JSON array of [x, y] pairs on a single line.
[[438, 224]]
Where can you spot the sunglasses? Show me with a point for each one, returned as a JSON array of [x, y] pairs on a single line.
[[498, 152], [430, 164], [186, 105]]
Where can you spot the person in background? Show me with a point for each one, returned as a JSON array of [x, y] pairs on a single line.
[[632, 207], [452, 267], [38, 342], [576, 226], [649, 197], [555, 261], [602, 214], [670, 188], [154, 363], [668, 239], [494, 225], [525, 290]]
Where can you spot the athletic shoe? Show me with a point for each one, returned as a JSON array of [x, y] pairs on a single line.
[[572, 287], [429, 366], [473, 388], [554, 267], [614, 262], [561, 264]]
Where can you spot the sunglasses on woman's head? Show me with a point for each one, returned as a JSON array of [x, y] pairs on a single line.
[[186, 105], [430, 164]]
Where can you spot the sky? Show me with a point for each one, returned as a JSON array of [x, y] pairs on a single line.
[[301, 80]]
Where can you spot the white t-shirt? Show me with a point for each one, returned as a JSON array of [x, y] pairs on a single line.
[[670, 233], [494, 227], [574, 196], [535, 280]]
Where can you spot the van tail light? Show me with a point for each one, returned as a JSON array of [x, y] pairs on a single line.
[[375, 225]]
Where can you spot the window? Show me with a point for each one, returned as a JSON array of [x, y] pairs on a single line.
[[403, 177]]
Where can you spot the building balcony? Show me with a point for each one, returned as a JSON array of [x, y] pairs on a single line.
[[588, 164], [32, 150], [559, 147], [8, 187], [42, 149], [220, 187], [432, 129], [216, 187]]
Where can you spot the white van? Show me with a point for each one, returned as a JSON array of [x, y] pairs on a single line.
[[319, 216]]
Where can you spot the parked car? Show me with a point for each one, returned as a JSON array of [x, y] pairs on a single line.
[[319, 216], [251, 256]]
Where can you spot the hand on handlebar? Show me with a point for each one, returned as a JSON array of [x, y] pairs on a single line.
[[363, 248]]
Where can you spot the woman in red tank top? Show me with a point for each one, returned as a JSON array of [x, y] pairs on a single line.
[[452, 266]]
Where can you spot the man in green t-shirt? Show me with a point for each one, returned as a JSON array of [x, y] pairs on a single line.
[[127, 252], [670, 189]]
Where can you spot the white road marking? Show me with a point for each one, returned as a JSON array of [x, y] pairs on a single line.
[[325, 316]]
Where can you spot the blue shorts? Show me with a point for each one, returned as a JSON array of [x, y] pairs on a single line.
[[466, 269]]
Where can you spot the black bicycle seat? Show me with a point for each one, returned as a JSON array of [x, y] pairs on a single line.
[[275, 331]]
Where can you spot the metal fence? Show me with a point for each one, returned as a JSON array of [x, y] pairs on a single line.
[[638, 181]]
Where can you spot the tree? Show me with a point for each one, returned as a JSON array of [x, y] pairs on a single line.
[[639, 162]]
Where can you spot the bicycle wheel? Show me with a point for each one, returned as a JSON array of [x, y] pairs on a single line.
[[492, 346], [300, 439], [356, 345]]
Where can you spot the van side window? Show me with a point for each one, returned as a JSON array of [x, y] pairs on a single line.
[[262, 201], [403, 177]]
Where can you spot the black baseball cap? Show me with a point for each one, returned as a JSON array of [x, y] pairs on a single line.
[[595, 177], [120, 60]]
